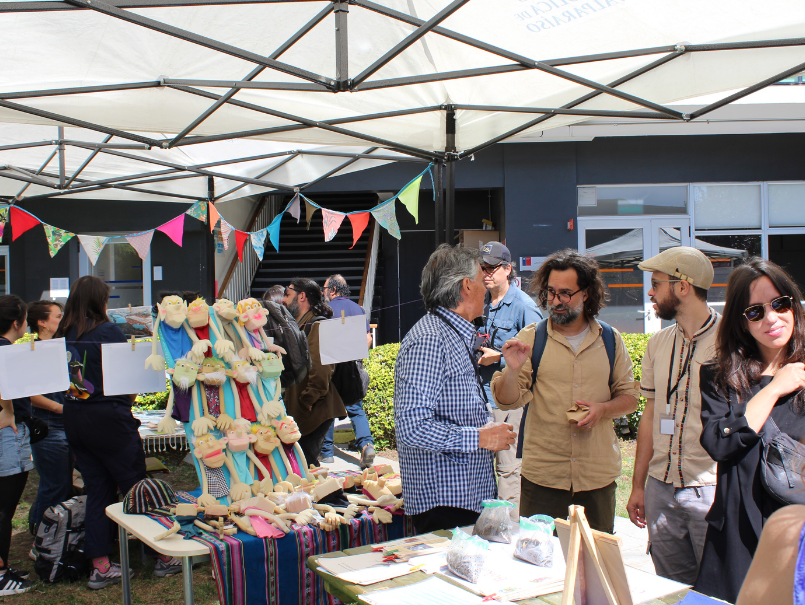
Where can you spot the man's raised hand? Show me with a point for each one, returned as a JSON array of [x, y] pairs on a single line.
[[515, 352]]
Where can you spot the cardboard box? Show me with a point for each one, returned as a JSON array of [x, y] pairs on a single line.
[[476, 238]]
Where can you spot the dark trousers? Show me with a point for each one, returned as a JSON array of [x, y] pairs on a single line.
[[599, 504], [444, 517], [363, 435], [312, 443], [54, 464], [109, 452], [10, 493]]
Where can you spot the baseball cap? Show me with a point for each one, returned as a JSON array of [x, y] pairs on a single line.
[[684, 262], [496, 253]]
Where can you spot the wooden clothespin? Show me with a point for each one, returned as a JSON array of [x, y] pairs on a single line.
[[343, 317], [32, 342], [129, 307], [133, 342]]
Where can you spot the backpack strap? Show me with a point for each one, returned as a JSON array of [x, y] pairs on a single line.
[[540, 339], [309, 325]]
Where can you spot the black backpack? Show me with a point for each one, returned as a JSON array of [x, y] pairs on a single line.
[[351, 381], [281, 326]]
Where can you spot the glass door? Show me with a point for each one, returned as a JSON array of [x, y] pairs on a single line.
[[620, 245], [120, 266]]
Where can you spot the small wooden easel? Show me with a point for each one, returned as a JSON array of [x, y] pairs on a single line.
[[592, 557]]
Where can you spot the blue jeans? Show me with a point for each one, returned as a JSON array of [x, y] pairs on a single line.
[[54, 463], [363, 435]]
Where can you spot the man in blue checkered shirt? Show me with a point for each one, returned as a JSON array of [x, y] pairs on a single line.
[[445, 436]]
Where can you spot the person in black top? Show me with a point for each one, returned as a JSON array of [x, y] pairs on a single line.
[[52, 457], [15, 449], [100, 429], [758, 374]]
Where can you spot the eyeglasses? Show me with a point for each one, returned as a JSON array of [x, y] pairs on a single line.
[[563, 295], [781, 304], [490, 269], [655, 282], [289, 289]]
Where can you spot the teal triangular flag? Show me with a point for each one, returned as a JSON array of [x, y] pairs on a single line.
[[274, 232]]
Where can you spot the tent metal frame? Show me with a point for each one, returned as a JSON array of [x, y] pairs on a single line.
[[64, 184]]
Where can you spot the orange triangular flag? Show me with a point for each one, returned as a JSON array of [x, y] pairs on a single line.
[[214, 216], [359, 222]]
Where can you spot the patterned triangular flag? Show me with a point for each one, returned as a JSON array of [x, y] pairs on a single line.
[[331, 221], [293, 208], [214, 216], [21, 221], [240, 240], [409, 196], [141, 242], [198, 211], [56, 238], [259, 242], [174, 229], [226, 230], [93, 244], [387, 217], [274, 232], [2, 228], [359, 222], [310, 210]]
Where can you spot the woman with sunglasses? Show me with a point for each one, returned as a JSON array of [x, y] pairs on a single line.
[[757, 376]]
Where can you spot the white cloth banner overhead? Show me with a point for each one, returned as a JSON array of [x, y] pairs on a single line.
[[92, 46]]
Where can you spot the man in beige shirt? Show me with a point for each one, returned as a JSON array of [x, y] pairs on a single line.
[[681, 475], [571, 454]]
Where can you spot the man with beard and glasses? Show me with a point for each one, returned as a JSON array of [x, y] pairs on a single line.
[[313, 402], [681, 475], [571, 454]]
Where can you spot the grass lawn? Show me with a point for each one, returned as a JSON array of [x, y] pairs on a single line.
[[145, 588], [625, 480]]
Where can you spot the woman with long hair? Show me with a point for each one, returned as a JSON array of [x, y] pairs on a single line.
[[52, 457], [757, 378], [101, 429], [15, 449]]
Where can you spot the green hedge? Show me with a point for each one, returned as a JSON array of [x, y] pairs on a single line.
[[379, 401]]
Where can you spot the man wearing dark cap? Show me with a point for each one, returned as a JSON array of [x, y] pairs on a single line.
[[507, 310]]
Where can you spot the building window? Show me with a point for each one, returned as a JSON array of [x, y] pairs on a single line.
[[632, 200], [786, 204], [727, 206]]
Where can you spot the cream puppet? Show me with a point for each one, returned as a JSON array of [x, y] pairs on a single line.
[[381, 508], [329, 500], [243, 459], [245, 376], [176, 336], [265, 444], [183, 377], [198, 316], [210, 452], [218, 516], [260, 506], [225, 312], [250, 327], [288, 432], [213, 375]]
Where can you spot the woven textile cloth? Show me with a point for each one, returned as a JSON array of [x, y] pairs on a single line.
[[253, 571]]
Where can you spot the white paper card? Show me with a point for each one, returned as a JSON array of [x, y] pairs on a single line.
[[433, 591], [59, 287], [124, 370], [339, 342], [666, 426], [24, 372], [587, 196]]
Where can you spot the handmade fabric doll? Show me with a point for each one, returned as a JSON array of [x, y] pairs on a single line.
[[210, 452], [288, 433], [198, 317], [213, 376], [183, 378], [241, 438], [175, 334], [251, 320]]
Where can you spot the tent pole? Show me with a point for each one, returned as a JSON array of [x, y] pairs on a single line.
[[438, 214], [450, 175], [341, 10]]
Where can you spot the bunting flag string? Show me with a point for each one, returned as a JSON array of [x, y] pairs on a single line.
[[93, 246], [141, 242], [205, 211], [56, 238], [259, 242], [331, 221], [240, 241], [359, 223]]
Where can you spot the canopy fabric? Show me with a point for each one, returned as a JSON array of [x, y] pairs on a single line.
[[31, 167], [628, 248], [284, 68]]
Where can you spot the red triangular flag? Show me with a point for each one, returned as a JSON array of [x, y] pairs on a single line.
[[21, 221], [240, 239], [174, 229], [214, 216], [359, 222]]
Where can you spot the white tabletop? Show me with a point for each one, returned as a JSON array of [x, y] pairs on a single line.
[[145, 528]]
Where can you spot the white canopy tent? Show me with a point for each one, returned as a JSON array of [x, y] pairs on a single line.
[[436, 79]]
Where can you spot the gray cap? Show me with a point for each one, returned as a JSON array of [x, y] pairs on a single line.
[[683, 262], [496, 253]]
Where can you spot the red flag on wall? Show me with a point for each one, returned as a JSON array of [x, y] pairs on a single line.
[[240, 239], [21, 221], [359, 222]]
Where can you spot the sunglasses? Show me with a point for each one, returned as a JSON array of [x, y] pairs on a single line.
[[490, 269], [781, 304]]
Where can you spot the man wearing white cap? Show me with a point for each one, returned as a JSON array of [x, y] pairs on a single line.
[[681, 475]]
